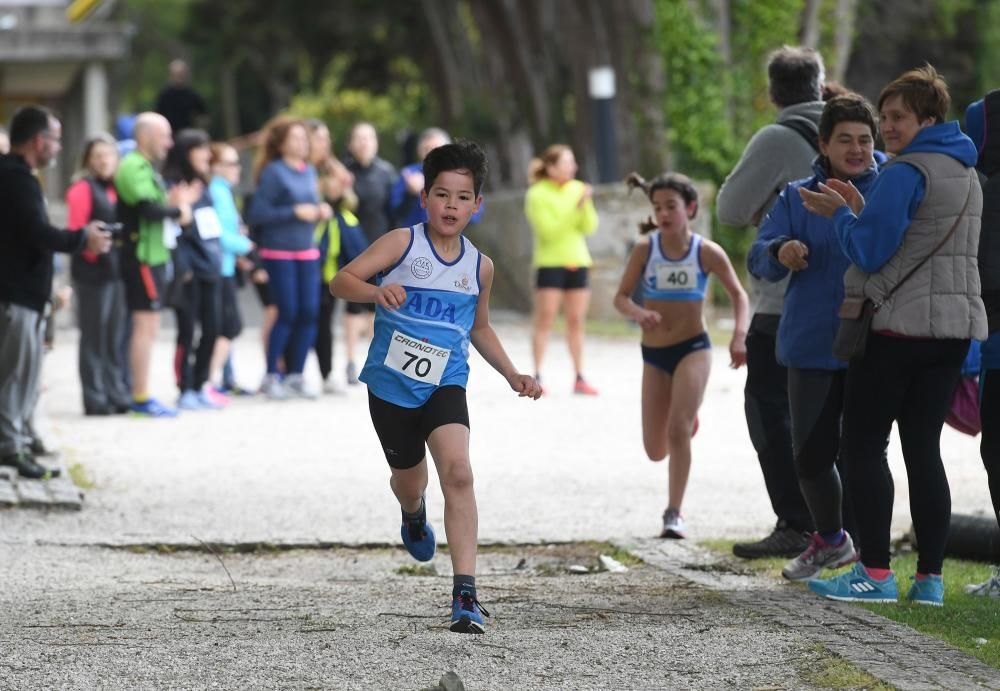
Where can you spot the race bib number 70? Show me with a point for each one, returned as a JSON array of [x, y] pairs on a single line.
[[672, 277], [418, 360]]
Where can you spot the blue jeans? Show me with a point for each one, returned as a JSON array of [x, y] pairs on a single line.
[[293, 286]]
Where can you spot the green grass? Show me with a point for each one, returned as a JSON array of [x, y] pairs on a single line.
[[417, 570], [80, 477], [961, 621], [825, 670]]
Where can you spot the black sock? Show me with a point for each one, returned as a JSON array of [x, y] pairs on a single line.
[[418, 516], [463, 583]]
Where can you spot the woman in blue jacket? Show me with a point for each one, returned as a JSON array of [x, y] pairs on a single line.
[[793, 240]]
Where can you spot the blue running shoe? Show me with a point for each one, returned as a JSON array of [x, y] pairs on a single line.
[[418, 537], [151, 408], [929, 591], [856, 586], [467, 614], [189, 401]]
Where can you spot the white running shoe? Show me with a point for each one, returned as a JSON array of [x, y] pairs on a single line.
[[673, 524], [818, 556], [989, 588], [296, 386], [273, 388]]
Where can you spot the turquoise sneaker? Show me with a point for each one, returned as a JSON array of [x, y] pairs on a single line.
[[929, 591], [856, 586]]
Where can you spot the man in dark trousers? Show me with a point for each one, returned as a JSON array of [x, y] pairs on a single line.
[[776, 155], [27, 243]]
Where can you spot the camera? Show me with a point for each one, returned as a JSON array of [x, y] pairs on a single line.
[[115, 229]]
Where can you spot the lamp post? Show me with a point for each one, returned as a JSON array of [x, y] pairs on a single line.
[[602, 94]]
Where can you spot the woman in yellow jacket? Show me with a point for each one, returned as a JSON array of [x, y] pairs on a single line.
[[561, 212]]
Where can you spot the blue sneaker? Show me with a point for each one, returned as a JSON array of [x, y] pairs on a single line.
[[418, 536], [929, 591], [151, 408], [856, 586], [189, 400], [467, 614]]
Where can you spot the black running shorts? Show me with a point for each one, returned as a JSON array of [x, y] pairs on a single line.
[[563, 278], [144, 284], [403, 432]]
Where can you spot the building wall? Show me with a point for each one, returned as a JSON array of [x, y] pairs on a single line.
[[505, 236]]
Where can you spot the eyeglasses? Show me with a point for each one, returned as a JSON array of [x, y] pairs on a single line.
[[230, 163]]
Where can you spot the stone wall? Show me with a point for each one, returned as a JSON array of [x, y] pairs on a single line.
[[505, 236]]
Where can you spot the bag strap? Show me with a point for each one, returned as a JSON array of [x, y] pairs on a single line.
[[954, 227], [805, 130]]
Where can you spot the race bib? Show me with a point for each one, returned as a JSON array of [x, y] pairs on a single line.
[[670, 277], [418, 360], [209, 226], [171, 230]]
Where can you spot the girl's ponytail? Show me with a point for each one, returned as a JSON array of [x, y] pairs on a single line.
[[634, 180]]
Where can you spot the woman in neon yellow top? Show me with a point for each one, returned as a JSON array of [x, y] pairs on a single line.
[[562, 215]]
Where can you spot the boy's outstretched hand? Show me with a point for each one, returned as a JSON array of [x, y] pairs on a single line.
[[738, 352], [526, 386], [391, 296]]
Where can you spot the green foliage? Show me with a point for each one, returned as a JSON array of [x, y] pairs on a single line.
[[404, 105], [988, 47]]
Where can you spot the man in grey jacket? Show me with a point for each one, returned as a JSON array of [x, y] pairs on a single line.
[[776, 155]]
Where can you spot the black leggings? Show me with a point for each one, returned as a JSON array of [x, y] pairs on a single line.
[[324, 334], [816, 401], [989, 410], [910, 382], [200, 305]]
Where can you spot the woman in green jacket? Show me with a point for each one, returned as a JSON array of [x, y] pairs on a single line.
[[561, 212]]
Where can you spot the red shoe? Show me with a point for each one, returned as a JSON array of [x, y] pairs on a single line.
[[583, 388]]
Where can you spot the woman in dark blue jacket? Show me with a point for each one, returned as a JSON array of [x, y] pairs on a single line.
[[793, 240], [197, 268]]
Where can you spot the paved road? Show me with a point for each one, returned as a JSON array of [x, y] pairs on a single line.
[[562, 468]]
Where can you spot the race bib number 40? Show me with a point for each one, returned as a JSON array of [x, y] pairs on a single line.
[[676, 277], [418, 360]]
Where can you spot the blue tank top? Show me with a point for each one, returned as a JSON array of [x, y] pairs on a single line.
[[425, 343], [674, 279]]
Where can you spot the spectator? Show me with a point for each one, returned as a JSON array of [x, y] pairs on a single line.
[[286, 208], [96, 281], [561, 212], [912, 245], [4, 142], [373, 181], [982, 122], [27, 243], [143, 208], [776, 155], [405, 197], [235, 243], [178, 102], [197, 273]]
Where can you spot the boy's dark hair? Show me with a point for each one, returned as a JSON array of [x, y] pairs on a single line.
[[923, 91], [679, 183], [178, 167], [847, 108], [459, 155], [795, 75], [28, 122]]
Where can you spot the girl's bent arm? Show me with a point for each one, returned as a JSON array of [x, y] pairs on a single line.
[[351, 282], [716, 261], [630, 279]]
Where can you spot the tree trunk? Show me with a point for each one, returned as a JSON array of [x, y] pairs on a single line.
[[810, 24], [847, 12]]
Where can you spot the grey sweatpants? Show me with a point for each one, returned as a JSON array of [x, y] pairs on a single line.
[[21, 331], [101, 315]]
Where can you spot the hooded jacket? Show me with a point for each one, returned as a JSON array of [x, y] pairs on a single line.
[[809, 321], [774, 156], [909, 210]]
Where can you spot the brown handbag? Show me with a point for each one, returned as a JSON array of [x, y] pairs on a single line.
[[856, 313]]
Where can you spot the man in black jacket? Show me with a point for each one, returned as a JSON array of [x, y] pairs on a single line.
[[27, 243]]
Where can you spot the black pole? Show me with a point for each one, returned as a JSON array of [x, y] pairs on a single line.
[[602, 94]]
